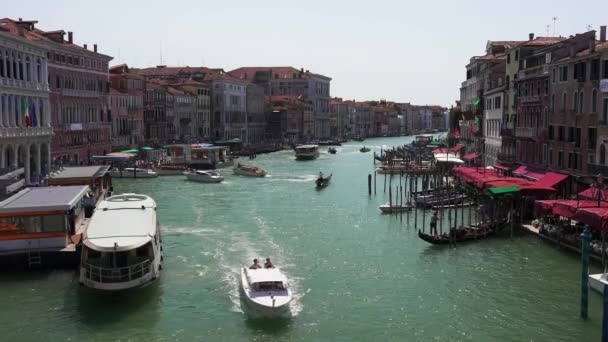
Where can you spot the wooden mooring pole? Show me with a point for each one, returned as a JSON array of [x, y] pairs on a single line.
[[369, 184], [585, 238]]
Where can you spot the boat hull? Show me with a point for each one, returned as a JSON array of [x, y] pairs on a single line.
[[596, 284], [255, 309], [247, 173], [394, 209], [202, 179], [307, 156], [129, 174], [139, 283]]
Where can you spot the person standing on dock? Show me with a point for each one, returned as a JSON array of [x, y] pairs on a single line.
[[434, 223]]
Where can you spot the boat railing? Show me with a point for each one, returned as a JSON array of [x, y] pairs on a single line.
[[119, 274]]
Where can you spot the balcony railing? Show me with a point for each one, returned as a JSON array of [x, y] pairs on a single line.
[[117, 275], [595, 169], [16, 132], [7, 82], [80, 93], [85, 126]]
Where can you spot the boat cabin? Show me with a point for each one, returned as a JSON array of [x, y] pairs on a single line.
[[423, 140], [121, 244], [41, 219], [95, 177], [266, 279], [198, 155]]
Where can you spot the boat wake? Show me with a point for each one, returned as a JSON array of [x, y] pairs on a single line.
[[305, 178]]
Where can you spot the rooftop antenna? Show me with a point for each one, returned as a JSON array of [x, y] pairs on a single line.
[[589, 27], [554, 25], [548, 30]]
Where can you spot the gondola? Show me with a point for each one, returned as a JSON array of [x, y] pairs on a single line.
[[332, 150], [323, 182], [461, 234], [364, 149]]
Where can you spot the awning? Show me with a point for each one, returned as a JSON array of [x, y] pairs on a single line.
[[130, 151], [568, 208], [552, 178], [118, 155], [595, 217], [147, 148], [503, 190], [528, 172], [545, 207], [470, 156], [593, 194]]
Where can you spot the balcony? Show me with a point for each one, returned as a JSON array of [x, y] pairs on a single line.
[[7, 82], [594, 169], [525, 132], [80, 93], [529, 99], [17, 132], [85, 126]]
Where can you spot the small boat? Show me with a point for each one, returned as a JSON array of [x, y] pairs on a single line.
[[358, 138], [460, 235], [323, 182], [598, 281], [170, 170], [122, 244], [332, 150], [457, 205], [248, 170], [205, 176], [307, 152], [364, 149], [266, 292], [395, 208], [131, 172]]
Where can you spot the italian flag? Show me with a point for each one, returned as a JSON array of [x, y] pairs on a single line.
[[26, 112]]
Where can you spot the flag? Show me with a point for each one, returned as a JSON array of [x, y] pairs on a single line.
[[456, 132], [26, 111], [33, 113], [476, 103]]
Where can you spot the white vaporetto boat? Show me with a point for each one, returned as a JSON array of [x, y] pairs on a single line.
[[248, 170], [204, 176], [266, 292], [131, 172], [122, 244], [307, 152], [598, 281]]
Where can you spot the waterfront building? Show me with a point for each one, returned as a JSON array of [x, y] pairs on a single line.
[[126, 108], [291, 81], [25, 111], [601, 159], [156, 105], [289, 119], [195, 121], [256, 115], [79, 94]]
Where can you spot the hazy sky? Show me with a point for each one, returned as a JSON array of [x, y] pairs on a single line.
[[397, 50]]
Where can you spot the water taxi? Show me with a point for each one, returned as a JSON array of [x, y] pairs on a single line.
[[248, 170], [132, 172], [204, 176], [122, 244], [307, 152], [265, 292]]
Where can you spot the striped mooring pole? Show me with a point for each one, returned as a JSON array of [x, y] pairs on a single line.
[[585, 238]]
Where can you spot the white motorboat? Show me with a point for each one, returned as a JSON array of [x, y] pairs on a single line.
[[597, 282], [266, 292], [204, 176], [131, 172], [395, 208], [122, 244], [307, 152], [248, 170]]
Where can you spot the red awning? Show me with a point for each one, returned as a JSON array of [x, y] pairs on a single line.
[[447, 149], [595, 217], [544, 207], [470, 156], [568, 208], [529, 173], [552, 178], [593, 193], [457, 148]]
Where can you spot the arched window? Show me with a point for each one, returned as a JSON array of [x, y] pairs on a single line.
[[28, 64], [39, 70], [602, 154], [594, 101]]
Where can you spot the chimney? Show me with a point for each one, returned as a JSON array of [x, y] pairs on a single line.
[[94, 47], [592, 45], [84, 46], [603, 33], [531, 36], [70, 36], [20, 19]]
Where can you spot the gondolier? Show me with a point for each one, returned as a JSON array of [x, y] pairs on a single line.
[[434, 223]]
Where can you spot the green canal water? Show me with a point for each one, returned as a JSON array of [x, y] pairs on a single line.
[[358, 275]]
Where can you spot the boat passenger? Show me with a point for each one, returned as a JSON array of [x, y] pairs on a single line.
[[268, 263], [320, 174], [256, 265]]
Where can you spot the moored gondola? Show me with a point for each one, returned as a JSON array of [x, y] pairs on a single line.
[[462, 234]]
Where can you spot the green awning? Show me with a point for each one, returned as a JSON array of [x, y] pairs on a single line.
[[476, 103], [231, 141], [436, 142], [130, 151], [503, 190], [164, 146], [147, 148]]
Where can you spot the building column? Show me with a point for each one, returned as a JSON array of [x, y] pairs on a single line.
[[39, 159], [11, 110], [26, 163], [4, 60], [47, 112], [14, 162], [2, 108], [2, 156]]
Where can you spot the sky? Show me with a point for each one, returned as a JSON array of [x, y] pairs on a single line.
[[404, 51]]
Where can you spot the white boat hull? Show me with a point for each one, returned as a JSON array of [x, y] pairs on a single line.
[[248, 173], [204, 179], [386, 208], [262, 305], [596, 284], [307, 156]]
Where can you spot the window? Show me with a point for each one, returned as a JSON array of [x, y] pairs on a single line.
[[560, 133], [574, 101], [560, 159], [605, 69], [497, 102], [594, 101], [595, 69], [605, 112], [508, 83], [564, 98], [571, 160], [592, 136], [550, 157], [577, 138], [551, 132], [581, 102], [553, 72], [563, 73], [516, 55], [553, 102], [570, 134]]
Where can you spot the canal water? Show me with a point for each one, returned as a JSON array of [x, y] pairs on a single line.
[[358, 275]]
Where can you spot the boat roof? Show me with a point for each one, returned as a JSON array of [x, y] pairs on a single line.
[[51, 198], [262, 275], [80, 172], [307, 146], [122, 222]]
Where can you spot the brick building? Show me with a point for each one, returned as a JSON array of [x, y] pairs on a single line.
[[126, 107]]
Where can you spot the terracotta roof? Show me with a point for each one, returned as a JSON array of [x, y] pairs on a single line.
[[543, 41], [11, 26], [507, 43], [598, 47], [492, 56], [284, 72]]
